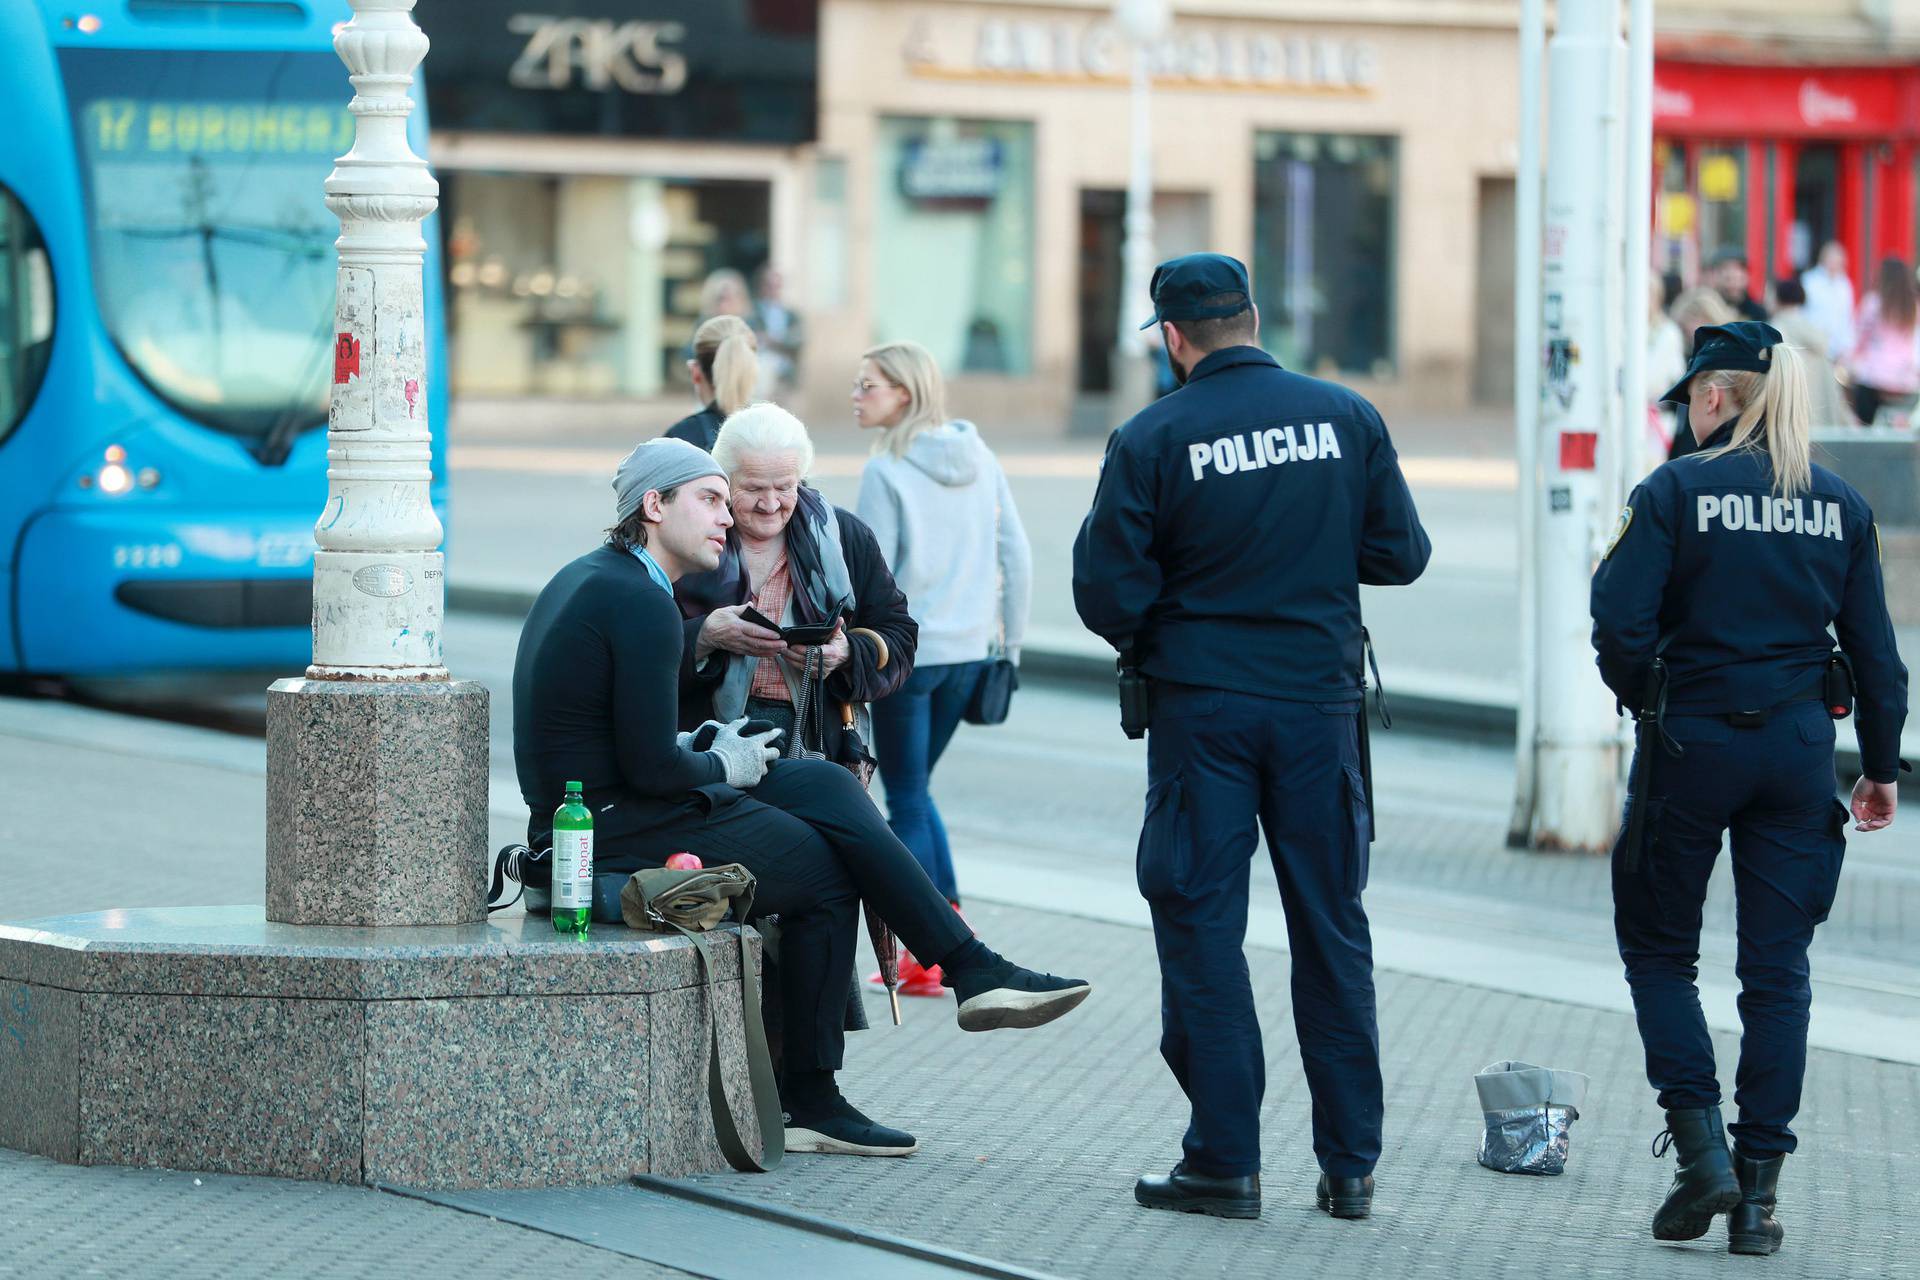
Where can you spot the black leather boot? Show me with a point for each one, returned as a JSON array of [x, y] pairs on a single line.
[[1703, 1186], [1345, 1197], [1190, 1192], [1750, 1227]]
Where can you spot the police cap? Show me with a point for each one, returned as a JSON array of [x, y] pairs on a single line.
[[1744, 344], [1182, 287]]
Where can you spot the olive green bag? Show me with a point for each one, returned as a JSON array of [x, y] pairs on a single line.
[[691, 903]]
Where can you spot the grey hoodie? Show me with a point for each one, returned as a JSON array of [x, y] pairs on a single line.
[[946, 523]]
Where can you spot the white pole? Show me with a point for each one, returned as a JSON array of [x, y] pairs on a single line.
[[1526, 410], [1577, 783], [1639, 233], [378, 587], [1144, 22]]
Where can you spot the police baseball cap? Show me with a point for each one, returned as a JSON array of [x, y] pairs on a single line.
[[1744, 344], [1200, 286]]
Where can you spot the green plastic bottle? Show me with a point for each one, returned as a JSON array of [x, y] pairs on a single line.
[[572, 864]]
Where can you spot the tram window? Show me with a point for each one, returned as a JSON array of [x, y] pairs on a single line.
[[26, 311]]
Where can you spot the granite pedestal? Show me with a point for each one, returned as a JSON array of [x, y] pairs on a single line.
[[376, 802], [487, 1055]]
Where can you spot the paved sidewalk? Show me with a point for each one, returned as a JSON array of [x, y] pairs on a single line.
[[1031, 1141]]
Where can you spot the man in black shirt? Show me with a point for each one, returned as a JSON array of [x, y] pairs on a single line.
[[595, 699]]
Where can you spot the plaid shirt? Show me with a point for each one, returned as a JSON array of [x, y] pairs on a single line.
[[771, 600]]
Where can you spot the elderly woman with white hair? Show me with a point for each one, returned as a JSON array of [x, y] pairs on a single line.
[[794, 560]]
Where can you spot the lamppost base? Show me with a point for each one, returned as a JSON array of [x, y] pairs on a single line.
[[376, 802], [485, 1055]]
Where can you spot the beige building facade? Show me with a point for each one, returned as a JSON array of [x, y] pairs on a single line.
[[971, 159]]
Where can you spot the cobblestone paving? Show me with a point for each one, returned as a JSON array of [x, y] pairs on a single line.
[[155, 1224], [1031, 1141]]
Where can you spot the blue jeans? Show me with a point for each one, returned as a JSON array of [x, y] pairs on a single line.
[[911, 728]]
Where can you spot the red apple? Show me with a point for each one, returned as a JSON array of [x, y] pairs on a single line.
[[684, 862]]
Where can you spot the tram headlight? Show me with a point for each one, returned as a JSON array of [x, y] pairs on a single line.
[[114, 476]]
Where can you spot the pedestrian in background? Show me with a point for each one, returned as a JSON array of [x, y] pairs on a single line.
[[1826, 403], [1233, 525], [724, 293], [1692, 311], [1714, 612], [1884, 366], [1727, 273], [945, 519], [724, 369], [1666, 360], [1830, 301], [781, 331]]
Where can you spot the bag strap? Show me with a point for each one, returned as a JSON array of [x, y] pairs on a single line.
[[766, 1095]]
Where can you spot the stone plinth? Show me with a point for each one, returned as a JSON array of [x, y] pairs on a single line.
[[376, 802], [502, 1055]]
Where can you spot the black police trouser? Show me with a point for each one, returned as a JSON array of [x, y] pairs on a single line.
[[1773, 787], [817, 846], [1217, 761]]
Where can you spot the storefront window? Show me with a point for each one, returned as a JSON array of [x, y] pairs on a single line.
[[953, 251], [1720, 176], [590, 286], [1323, 254]]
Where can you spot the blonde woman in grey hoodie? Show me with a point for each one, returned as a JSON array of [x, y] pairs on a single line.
[[937, 501]]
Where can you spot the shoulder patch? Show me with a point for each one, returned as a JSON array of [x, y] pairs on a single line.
[[1619, 532]]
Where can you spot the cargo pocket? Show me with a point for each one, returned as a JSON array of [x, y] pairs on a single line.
[[1360, 819], [1825, 885], [1163, 863]]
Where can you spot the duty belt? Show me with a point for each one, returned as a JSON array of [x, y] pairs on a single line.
[[1651, 726]]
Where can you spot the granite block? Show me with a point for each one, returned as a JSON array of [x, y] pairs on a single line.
[[679, 1114], [613, 958], [376, 802], [236, 951], [39, 1070], [537, 1091], [223, 1084]]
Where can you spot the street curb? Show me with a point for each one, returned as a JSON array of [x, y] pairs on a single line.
[[1421, 704]]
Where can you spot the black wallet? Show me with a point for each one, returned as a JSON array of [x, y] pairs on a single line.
[[811, 633]]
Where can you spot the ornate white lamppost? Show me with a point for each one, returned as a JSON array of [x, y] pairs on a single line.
[[377, 760]]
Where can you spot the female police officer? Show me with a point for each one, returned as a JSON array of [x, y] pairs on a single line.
[[1710, 615]]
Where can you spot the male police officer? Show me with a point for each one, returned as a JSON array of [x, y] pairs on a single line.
[[1234, 522]]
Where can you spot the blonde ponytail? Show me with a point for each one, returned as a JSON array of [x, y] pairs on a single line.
[[729, 355], [1776, 409]]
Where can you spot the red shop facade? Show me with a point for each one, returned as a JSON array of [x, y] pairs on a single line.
[[1779, 160]]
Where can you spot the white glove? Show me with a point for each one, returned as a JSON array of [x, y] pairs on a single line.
[[745, 758]]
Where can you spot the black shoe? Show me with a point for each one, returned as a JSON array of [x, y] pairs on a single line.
[[1190, 1192], [1750, 1227], [837, 1128], [1345, 1197], [1002, 994], [1703, 1186]]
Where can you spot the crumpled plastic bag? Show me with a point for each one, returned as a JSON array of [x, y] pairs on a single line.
[[1529, 1115]]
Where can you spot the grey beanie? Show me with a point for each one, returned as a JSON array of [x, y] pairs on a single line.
[[658, 464]]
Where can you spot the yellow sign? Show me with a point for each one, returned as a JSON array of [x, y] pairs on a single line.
[[1719, 178], [122, 126], [1676, 213]]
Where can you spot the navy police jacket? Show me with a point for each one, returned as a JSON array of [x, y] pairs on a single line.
[[1736, 589], [1233, 525]]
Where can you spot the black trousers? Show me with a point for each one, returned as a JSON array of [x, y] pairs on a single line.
[[1220, 766], [817, 846], [1772, 787]]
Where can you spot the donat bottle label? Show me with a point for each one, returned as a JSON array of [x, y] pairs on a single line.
[[572, 870]]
